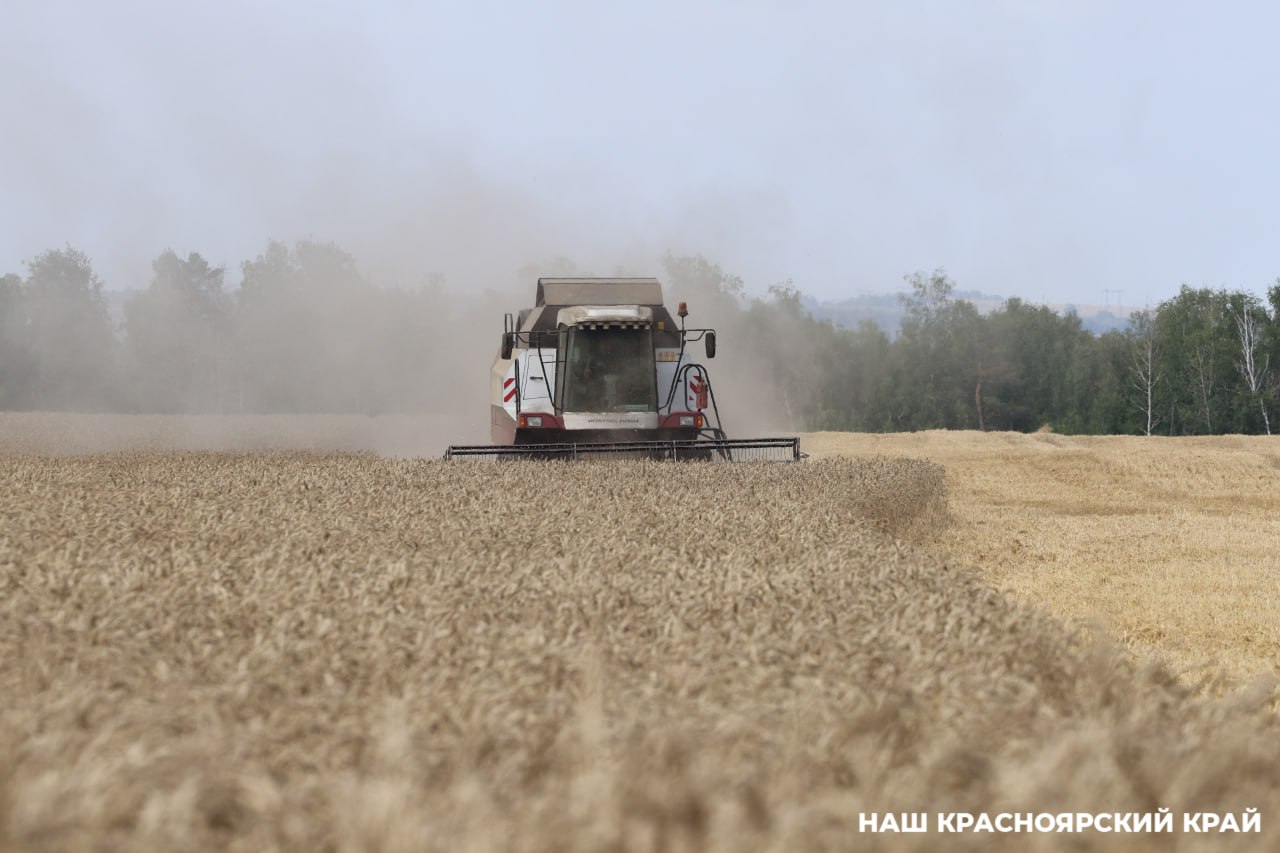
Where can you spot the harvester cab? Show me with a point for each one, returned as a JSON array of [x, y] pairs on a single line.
[[599, 367]]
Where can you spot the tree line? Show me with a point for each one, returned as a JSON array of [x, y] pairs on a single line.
[[1203, 362], [306, 332]]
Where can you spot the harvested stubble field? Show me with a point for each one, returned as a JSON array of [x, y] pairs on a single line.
[[298, 650], [1171, 545]]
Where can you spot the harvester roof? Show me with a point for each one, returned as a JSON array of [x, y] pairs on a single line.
[[599, 291]]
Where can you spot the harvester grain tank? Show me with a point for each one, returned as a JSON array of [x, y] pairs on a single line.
[[599, 367]]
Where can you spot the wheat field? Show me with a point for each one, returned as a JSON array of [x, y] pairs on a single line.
[[264, 648]]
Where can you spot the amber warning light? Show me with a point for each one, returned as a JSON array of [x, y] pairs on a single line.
[[683, 311]]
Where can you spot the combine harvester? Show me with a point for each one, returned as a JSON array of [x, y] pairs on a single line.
[[597, 368]]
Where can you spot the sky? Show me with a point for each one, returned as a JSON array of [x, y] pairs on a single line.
[[1056, 151]]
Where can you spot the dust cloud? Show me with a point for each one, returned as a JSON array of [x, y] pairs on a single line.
[[398, 315]]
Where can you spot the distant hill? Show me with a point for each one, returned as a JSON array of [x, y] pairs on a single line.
[[885, 310]]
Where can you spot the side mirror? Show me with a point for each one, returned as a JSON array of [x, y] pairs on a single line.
[[508, 342], [711, 344]]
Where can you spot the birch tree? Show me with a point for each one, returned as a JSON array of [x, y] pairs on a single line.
[[1254, 365], [1145, 369]]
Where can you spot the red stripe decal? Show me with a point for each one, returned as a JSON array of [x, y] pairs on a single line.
[[510, 394], [508, 383]]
